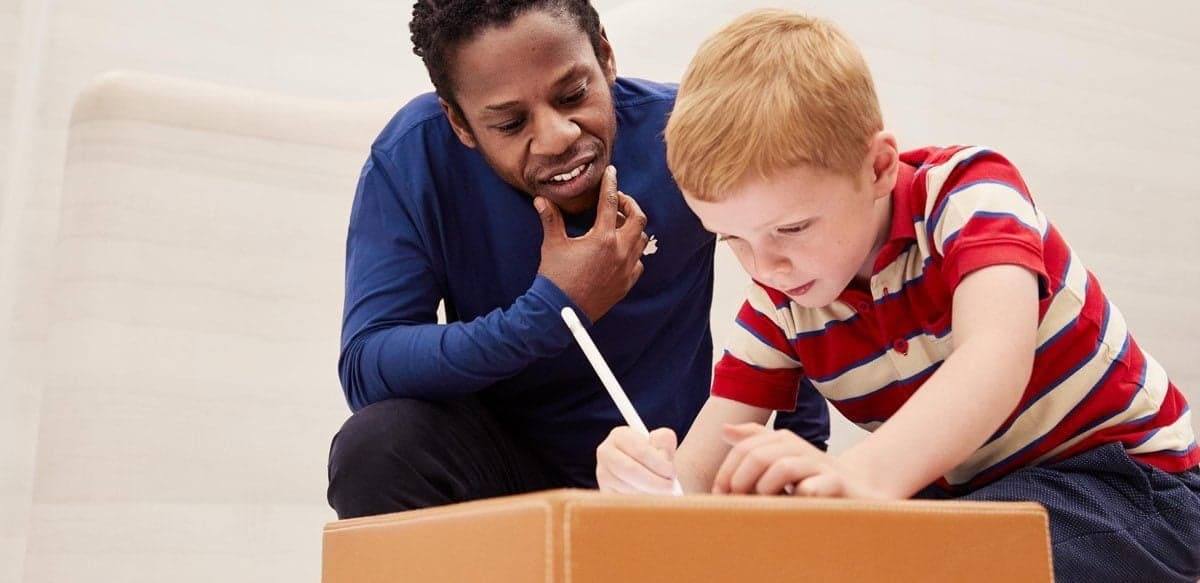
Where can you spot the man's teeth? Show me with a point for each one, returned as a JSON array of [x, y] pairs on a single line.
[[569, 175]]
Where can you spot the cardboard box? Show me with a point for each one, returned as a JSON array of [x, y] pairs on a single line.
[[580, 536]]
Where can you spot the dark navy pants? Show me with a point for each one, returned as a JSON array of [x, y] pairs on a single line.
[[1111, 518], [405, 454]]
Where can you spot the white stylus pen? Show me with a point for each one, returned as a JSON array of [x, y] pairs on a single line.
[[608, 380]]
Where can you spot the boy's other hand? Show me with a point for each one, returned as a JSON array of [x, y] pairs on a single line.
[[766, 461], [599, 267], [629, 463]]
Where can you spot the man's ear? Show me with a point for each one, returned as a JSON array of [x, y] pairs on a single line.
[[461, 128], [608, 62], [885, 163]]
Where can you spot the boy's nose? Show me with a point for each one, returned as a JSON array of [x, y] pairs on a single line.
[[772, 263], [775, 263]]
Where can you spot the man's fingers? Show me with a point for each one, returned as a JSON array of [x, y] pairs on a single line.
[[633, 229], [621, 210], [552, 224], [635, 218], [637, 237], [606, 207]]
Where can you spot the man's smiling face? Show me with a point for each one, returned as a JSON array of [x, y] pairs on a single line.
[[536, 102]]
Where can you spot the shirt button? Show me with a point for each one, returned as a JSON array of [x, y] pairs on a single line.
[[901, 346], [864, 306]]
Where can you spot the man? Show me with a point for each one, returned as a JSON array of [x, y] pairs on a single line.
[[496, 196]]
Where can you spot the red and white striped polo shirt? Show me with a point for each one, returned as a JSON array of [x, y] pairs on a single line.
[[956, 210]]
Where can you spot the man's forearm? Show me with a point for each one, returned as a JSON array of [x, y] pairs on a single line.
[[440, 361]]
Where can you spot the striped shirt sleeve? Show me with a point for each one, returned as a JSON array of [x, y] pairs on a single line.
[[981, 214], [760, 367]]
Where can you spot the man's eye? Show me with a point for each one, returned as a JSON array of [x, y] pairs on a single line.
[[575, 97], [510, 127], [725, 238], [793, 229]]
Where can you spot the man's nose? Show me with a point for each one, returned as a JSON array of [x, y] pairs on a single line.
[[553, 134]]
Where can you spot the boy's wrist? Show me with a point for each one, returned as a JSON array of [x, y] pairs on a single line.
[[875, 478]]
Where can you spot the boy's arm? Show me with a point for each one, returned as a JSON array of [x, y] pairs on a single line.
[[703, 449], [995, 316], [948, 418]]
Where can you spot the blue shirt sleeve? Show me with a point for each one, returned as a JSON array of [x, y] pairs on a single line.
[[810, 419], [392, 345]]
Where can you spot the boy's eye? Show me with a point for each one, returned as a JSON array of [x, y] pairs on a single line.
[[721, 237], [793, 229]]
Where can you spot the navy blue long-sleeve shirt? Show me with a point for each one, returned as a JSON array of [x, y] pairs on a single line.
[[432, 221]]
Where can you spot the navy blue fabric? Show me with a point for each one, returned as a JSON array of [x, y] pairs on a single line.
[[810, 419], [432, 221], [1111, 518]]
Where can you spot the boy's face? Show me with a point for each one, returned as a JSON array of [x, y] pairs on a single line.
[[806, 232], [537, 105]]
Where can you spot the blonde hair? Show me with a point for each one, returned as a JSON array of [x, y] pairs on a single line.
[[772, 90]]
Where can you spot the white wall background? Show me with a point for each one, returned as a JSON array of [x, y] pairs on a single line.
[[1095, 102]]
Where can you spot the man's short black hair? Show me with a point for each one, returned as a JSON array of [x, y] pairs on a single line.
[[439, 27]]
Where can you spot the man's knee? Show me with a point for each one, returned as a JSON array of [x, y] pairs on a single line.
[[385, 458], [381, 432]]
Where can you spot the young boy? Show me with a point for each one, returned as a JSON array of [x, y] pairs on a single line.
[[928, 299]]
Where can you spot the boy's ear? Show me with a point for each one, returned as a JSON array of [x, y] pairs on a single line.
[[461, 128], [885, 163]]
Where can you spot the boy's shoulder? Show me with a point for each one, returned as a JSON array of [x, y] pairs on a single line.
[[938, 172], [944, 160], [936, 164]]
